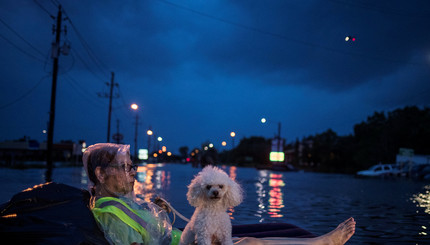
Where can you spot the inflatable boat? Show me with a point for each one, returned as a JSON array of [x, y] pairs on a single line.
[[54, 213]]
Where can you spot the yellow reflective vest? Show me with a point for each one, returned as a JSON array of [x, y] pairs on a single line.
[[139, 220]]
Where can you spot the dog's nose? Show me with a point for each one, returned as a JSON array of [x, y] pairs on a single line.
[[215, 193]]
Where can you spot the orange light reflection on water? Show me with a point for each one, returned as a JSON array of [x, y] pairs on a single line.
[[232, 174], [144, 185]]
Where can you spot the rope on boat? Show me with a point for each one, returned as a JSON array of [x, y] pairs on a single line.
[[174, 211]]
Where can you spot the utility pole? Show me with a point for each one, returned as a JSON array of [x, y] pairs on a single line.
[[149, 133], [135, 139], [55, 54], [279, 136], [117, 131], [110, 106], [110, 96]]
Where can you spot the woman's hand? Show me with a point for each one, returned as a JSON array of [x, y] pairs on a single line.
[[162, 204]]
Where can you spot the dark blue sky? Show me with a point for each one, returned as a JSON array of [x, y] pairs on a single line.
[[201, 69]]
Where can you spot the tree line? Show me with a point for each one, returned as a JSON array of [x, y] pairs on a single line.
[[376, 140]]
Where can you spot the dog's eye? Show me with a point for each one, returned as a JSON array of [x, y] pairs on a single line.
[[221, 186], [208, 187]]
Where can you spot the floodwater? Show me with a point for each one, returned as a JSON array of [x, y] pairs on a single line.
[[387, 211]]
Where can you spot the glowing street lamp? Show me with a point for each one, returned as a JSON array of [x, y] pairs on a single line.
[[135, 107], [159, 139], [223, 143], [149, 133]]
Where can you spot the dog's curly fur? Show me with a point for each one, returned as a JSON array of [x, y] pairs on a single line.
[[212, 192]]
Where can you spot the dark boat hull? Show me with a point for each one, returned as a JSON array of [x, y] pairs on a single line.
[[55, 213]]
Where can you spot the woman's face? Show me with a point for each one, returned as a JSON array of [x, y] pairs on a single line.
[[120, 175]]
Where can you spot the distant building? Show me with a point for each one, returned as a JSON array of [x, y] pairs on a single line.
[[415, 159], [26, 150], [300, 153]]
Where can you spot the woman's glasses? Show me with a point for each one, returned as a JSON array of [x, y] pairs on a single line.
[[126, 167]]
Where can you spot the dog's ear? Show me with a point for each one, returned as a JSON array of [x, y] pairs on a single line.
[[234, 195], [195, 192]]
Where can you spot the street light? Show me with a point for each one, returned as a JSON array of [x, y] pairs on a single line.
[[135, 107], [232, 134], [277, 137], [149, 133], [159, 139]]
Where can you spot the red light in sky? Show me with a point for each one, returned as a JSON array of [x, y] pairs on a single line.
[[349, 38]]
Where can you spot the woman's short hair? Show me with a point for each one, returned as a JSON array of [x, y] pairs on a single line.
[[101, 155]]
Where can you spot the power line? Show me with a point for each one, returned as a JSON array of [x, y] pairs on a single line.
[[100, 65], [246, 26], [71, 66], [86, 65], [20, 49], [44, 9], [25, 94], [382, 10], [123, 105], [16, 33], [90, 97], [103, 68], [284, 37], [55, 3], [89, 51], [122, 97]]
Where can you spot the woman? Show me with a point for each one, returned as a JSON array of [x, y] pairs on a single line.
[[126, 219], [123, 218]]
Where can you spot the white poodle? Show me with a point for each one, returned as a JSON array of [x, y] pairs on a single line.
[[212, 192]]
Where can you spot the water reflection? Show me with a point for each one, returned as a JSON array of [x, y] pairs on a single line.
[[84, 178], [149, 179], [261, 194], [232, 174], [423, 201], [276, 201], [152, 179], [272, 185], [384, 215]]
